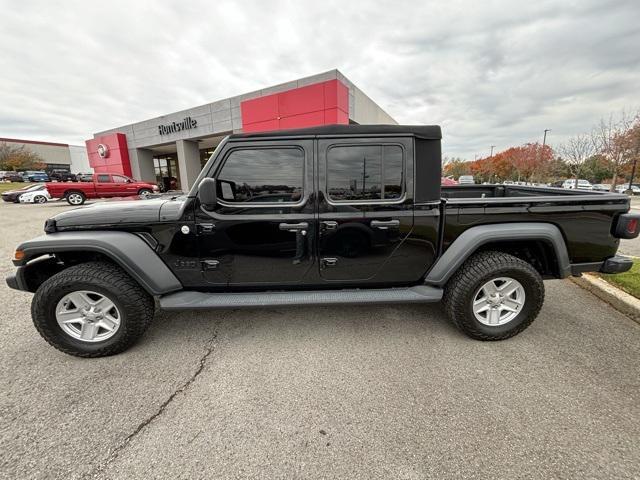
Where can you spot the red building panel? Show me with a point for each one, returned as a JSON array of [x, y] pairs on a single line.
[[322, 103], [115, 158]]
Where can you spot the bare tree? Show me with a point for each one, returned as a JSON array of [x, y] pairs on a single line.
[[608, 138], [575, 151]]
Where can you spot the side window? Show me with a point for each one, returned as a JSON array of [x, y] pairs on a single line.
[[103, 179], [120, 179], [262, 175], [365, 172]]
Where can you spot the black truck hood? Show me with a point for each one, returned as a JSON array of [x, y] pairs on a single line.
[[114, 213]]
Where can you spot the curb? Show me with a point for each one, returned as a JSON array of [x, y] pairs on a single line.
[[617, 298]]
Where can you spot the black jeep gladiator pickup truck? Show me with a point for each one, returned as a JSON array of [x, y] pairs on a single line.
[[327, 215]]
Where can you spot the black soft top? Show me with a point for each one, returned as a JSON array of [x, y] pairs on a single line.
[[427, 132]]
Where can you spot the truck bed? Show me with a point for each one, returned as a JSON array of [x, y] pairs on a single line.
[[518, 191], [585, 217]]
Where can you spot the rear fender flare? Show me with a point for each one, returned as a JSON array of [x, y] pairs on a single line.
[[473, 238]]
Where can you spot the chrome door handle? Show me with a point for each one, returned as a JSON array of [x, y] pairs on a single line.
[[385, 224], [329, 225], [293, 227]]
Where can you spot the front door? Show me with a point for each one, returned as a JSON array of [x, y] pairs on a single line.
[[123, 186], [262, 230], [365, 209]]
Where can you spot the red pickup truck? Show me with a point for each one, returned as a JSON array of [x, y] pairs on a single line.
[[103, 185]]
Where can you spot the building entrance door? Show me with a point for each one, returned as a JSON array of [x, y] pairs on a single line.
[[167, 172]]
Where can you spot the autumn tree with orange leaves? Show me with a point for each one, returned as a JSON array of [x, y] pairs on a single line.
[[530, 162], [609, 153]]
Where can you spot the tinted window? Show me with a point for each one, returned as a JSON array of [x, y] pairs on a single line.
[[356, 172], [269, 175], [392, 172], [103, 179]]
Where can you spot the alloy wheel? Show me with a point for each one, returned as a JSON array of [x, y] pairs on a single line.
[[88, 316], [74, 198], [498, 301]]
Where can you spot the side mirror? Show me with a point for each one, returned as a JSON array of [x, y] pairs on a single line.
[[207, 193]]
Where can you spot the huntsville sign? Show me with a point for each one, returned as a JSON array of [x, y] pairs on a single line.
[[186, 124]]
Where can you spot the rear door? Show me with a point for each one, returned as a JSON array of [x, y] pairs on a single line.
[[365, 195]]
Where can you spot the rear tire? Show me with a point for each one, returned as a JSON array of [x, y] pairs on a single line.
[[517, 294], [130, 312], [75, 198]]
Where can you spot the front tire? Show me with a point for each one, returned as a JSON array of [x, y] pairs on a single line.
[[494, 296], [91, 310], [40, 199], [144, 192]]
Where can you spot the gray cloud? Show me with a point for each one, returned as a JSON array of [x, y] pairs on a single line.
[[491, 73]]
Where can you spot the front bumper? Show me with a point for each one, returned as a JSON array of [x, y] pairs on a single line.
[[29, 277], [16, 280]]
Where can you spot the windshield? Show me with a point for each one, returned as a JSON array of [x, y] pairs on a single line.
[[30, 188]]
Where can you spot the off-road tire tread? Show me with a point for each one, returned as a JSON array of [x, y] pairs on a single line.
[[139, 305], [461, 286]]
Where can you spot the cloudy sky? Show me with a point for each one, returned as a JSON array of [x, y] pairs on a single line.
[[490, 72]]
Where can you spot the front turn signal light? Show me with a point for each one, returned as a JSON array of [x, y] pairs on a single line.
[[19, 255]]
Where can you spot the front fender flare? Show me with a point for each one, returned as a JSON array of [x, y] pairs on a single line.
[[126, 249], [473, 238]]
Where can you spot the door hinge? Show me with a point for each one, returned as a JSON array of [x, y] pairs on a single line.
[[329, 262]]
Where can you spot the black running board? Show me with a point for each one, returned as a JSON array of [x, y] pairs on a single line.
[[187, 300]]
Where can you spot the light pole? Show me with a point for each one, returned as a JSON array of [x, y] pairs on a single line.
[[492, 147], [544, 139]]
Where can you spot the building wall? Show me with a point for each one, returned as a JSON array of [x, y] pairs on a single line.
[[325, 98], [116, 157], [321, 103], [79, 159], [224, 116], [56, 153]]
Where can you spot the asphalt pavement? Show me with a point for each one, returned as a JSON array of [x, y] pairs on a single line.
[[322, 392]]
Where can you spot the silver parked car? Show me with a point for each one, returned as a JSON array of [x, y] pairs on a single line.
[[466, 180]]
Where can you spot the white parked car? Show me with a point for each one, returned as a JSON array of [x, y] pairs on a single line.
[[466, 180], [35, 196], [635, 190], [582, 184], [602, 187]]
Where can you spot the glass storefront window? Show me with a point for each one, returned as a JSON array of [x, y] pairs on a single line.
[[167, 173], [204, 156]]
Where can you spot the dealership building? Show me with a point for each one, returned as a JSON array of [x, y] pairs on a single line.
[[55, 156], [173, 148]]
